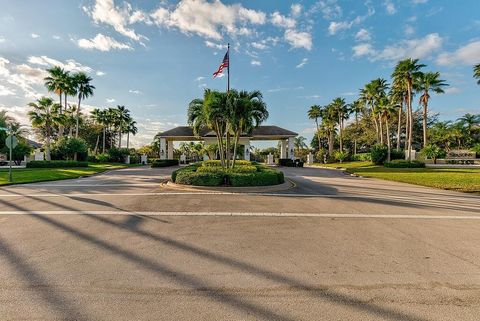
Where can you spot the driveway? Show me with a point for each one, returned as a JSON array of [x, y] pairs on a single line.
[[118, 246]]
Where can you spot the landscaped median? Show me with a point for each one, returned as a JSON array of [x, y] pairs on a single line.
[[459, 179], [211, 173], [51, 171]]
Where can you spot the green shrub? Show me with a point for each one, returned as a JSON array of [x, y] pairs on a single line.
[[379, 154], [400, 163], [431, 151], [116, 155], [340, 156], [66, 147], [56, 164], [286, 162], [364, 157], [165, 163], [102, 158], [263, 178], [236, 169], [397, 154], [320, 155], [199, 179]]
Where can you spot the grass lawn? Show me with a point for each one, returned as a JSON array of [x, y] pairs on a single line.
[[30, 175], [459, 179]]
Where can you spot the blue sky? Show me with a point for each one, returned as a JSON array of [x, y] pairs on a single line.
[[156, 56]]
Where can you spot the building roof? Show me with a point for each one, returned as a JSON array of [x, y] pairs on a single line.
[[260, 133]]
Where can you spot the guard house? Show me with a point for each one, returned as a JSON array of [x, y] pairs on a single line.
[[185, 133]]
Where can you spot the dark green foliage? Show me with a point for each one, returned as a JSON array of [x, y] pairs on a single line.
[[362, 157], [400, 163], [397, 154], [199, 179], [66, 148], [379, 154], [263, 178], [165, 162], [286, 162], [116, 155], [56, 164], [21, 150]]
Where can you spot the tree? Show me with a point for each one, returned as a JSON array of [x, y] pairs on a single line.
[[357, 107], [329, 123], [387, 109], [247, 112], [131, 128], [299, 143], [405, 74], [57, 82], [370, 95], [315, 112], [470, 122], [84, 89], [476, 73], [45, 115], [121, 116], [342, 111], [426, 83]]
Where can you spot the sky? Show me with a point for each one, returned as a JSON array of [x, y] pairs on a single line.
[[155, 56]]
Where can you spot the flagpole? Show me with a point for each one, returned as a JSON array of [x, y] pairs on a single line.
[[228, 68]]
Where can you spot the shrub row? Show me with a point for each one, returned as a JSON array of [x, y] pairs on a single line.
[[56, 164], [165, 162], [213, 163], [404, 164], [236, 169]]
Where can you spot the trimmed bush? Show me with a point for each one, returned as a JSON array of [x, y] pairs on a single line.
[[364, 157], [116, 155], [165, 163], [397, 154], [404, 164], [263, 178], [236, 169], [56, 164], [199, 179], [379, 154]]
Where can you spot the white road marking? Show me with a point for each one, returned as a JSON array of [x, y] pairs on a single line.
[[259, 214]]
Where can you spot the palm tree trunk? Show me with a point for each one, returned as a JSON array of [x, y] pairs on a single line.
[[355, 140], [60, 126], [330, 143], [235, 144], [128, 140], [407, 126], [47, 146], [425, 115], [318, 134], [96, 144], [119, 139], [78, 116], [376, 128], [388, 140], [103, 143], [227, 145], [399, 128], [381, 130], [410, 129]]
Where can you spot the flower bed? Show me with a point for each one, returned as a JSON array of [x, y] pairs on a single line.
[[210, 173]]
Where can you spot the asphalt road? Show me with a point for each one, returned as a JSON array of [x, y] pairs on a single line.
[[118, 246]]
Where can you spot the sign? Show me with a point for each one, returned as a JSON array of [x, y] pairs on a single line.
[[11, 141]]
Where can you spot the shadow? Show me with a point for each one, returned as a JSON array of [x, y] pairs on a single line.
[[49, 294]]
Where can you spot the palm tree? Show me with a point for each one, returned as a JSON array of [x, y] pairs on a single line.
[[356, 107], [210, 113], [469, 122], [398, 96], [83, 89], [45, 115], [248, 111], [342, 112], [329, 123], [370, 96], [57, 82], [315, 112], [97, 117], [122, 115], [426, 83], [299, 143], [476, 73], [387, 109], [131, 128], [406, 73]]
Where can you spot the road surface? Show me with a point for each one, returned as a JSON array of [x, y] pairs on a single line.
[[118, 246]]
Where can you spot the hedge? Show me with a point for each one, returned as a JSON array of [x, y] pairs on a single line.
[[56, 164], [199, 179], [404, 164], [165, 162], [236, 169]]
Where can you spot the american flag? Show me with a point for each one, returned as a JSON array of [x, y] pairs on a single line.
[[223, 65]]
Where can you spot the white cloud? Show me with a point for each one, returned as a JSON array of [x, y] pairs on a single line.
[[135, 91], [255, 63], [299, 39], [258, 45], [105, 11], [296, 9], [408, 48], [199, 78], [336, 26], [2, 39], [110, 100], [468, 54], [23, 77], [102, 43], [35, 36], [329, 8], [208, 19], [363, 35], [419, 1], [69, 64], [282, 21], [218, 46], [389, 7], [56, 37], [363, 49], [5, 91], [302, 63], [100, 73], [409, 30]]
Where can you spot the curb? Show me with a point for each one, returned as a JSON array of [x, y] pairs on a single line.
[[288, 184]]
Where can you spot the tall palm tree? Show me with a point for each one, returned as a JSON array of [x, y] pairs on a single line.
[[299, 142], [57, 82], [398, 96], [122, 114], [315, 112], [356, 108], [387, 109], [131, 128], [45, 115], [248, 112], [426, 83], [406, 73], [476, 73], [83, 90], [370, 96], [328, 126], [469, 121], [210, 113], [342, 112], [97, 116]]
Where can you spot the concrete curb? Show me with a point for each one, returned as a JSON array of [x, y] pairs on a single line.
[[288, 184]]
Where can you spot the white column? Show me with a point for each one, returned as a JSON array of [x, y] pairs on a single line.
[[163, 148], [291, 148], [170, 149], [283, 149], [246, 152]]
